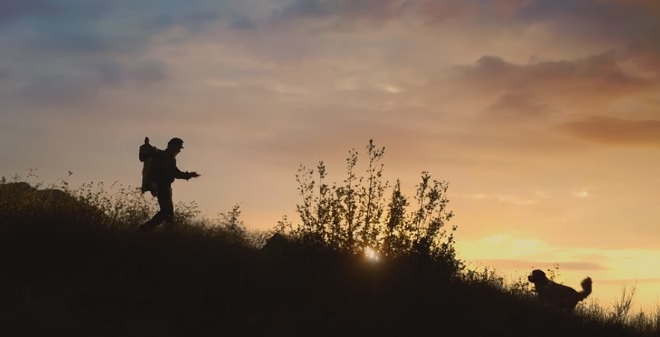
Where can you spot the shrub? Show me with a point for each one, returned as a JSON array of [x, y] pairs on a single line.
[[354, 215]]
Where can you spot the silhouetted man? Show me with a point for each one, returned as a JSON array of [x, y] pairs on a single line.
[[164, 173]]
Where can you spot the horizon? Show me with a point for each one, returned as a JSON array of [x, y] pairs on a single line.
[[543, 116]]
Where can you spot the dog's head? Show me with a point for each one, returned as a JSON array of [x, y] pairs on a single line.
[[537, 277]]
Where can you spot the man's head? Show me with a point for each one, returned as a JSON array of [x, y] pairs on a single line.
[[175, 144]]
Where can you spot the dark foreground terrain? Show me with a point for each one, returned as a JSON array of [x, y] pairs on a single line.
[[78, 281], [71, 269]]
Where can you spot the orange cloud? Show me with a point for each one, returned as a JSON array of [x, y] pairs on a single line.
[[518, 105], [529, 265], [613, 130]]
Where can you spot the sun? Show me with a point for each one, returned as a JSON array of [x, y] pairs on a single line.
[[371, 254]]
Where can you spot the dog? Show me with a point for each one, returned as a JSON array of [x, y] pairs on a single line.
[[558, 295]]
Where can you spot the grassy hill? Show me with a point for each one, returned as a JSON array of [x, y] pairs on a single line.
[[71, 270]]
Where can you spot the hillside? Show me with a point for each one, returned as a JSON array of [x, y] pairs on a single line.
[[192, 283], [67, 271]]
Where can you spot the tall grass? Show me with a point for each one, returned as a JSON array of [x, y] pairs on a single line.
[[73, 265]]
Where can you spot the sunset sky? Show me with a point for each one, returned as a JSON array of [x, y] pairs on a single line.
[[543, 115]]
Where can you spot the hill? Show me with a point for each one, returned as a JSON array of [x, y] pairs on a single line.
[[69, 270], [66, 281]]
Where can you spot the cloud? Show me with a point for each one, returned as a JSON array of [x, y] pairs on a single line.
[[377, 11], [580, 194], [11, 10], [69, 52], [529, 264], [73, 43], [632, 23], [549, 93], [614, 130], [71, 84], [370, 9], [517, 105], [591, 74], [71, 27], [502, 198], [427, 12], [150, 71], [515, 252], [193, 21], [632, 282]]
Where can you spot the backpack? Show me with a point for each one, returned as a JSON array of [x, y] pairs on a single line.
[[146, 155]]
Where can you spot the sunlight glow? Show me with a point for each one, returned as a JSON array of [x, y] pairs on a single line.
[[371, 254], [581, 194]]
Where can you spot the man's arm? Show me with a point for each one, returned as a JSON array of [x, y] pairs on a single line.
[[184, 175]]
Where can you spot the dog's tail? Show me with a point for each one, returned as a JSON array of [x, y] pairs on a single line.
[[586, 288]]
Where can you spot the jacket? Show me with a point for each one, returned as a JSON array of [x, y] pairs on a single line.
[[166, 170]]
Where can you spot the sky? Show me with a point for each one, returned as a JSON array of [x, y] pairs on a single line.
[[543, 116]]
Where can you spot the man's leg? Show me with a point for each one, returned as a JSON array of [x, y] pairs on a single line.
[[166, 206], [166, 212], [153, 223]]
